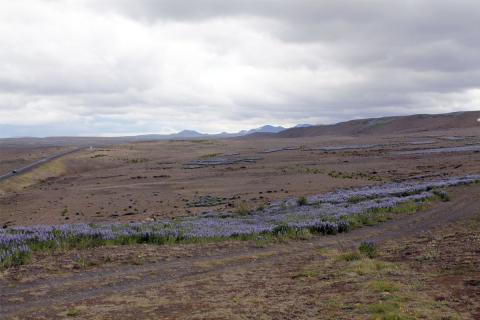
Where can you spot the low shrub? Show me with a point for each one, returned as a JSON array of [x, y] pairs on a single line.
[[302, 201], [442, 195], [243, 210], [369, 248], [351, 256]]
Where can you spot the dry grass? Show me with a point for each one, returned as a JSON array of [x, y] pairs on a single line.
[[313, 284], [54, 168]]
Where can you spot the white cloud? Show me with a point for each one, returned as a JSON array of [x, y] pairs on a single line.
[[162, 66]]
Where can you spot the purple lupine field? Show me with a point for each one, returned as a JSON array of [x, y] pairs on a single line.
[[320, 212]]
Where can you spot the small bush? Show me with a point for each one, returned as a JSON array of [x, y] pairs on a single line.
[[387, 309], [384, 286], [302, 234], [351, 256], [369, 248], [302, 201], [210, 155], [305, 274], [282, 229], [442, 195], [243, 210], [73, 313], [356, 199]]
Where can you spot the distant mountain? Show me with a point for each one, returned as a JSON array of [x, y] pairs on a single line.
[[303, 125], [187, 134], [264, 129], [371, 126], [191, 134]]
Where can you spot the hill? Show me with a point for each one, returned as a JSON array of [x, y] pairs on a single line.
[[386, 125]]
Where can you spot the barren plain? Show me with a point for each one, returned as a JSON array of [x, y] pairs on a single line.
[[424, 263], [152, 180]]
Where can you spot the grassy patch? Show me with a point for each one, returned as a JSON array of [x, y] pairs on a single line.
[[386, 310], [210, 155], [442, 195], [383, 286], [372, 266], [376, 216], [354, 286], [16, 259], [379, 289], [368, 248], [242, 210], [350, 256], [305, 274], [53, 168], [73, 313]]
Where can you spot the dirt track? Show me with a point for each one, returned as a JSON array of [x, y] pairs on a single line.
[[31, 295]]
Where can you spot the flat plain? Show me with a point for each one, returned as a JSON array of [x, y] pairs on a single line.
[[425, 263]]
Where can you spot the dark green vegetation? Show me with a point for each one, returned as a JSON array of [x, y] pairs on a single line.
[[211, 201]]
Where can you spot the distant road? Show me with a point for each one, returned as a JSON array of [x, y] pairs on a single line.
[[38, 163]]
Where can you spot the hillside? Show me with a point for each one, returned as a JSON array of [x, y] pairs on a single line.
[[386, 125]]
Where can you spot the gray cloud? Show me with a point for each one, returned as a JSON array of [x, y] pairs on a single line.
[[118, 67]]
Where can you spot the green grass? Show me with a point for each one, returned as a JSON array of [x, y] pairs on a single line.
[[350, 256], [380, 286], [100, 155], [73, 313], [210, 155], [386, 310], [376, 216], [15, 260], [442, 195], [305, 274], [369, 249]]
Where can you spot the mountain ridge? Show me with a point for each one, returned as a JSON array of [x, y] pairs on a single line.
[[382, 125], [391, 124]]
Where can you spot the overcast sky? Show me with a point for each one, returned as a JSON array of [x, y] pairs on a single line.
[[113, 67]]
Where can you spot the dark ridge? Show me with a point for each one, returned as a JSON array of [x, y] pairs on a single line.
[[388, 125]]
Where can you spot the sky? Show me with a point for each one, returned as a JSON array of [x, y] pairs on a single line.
[[126, 67]]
